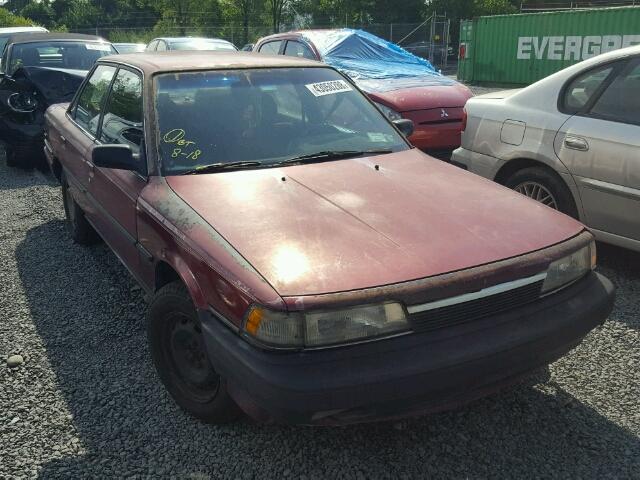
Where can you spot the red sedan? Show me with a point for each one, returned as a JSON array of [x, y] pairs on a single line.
[[304, 262], [403, 85]]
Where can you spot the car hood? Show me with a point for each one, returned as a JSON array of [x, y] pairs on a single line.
[[345, 225], [424, 98]]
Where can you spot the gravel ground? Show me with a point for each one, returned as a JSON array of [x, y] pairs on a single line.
[[86, 402]]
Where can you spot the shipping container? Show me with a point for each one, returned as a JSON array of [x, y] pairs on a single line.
[[523, 48]]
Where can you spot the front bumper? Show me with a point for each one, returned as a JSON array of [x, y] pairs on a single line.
[[24, 132], [411, 374]]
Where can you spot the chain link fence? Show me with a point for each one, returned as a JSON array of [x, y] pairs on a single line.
[[429, 39]]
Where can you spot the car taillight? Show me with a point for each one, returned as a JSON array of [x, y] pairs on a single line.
[[464, 120]]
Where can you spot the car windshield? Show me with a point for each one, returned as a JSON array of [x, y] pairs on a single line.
[[202, 45], [264, 115], [75, 55], [130, 47]]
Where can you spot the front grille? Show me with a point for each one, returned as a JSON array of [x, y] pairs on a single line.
[[469, 311]]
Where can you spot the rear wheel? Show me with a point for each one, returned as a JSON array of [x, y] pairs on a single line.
[[179, 354], [79, 228], [545, 187]]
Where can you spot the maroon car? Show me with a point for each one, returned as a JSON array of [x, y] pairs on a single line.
[[400, 83], [305, 263]]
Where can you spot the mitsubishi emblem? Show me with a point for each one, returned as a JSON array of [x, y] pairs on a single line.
[[443, 113]]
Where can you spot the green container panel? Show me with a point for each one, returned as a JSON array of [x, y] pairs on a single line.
[[523, 48]]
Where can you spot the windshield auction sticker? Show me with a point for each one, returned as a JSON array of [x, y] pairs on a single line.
[[328, 88]]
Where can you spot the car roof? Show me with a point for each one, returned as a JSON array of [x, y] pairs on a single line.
[[9, 30], [175, 61], [52, 37], [298, 33]]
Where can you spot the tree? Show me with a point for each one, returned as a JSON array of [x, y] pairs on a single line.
[[7, 19], [276, 8]]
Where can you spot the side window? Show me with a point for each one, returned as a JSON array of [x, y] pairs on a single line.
[[620, 102], [161, 46], [271, 48], [122, 120], [89, 105], [298, 49], [583, 87], [152, 46]]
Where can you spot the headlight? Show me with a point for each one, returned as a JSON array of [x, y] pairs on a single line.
[[389, 112], [570, 268], [22, 102], [314, 329]]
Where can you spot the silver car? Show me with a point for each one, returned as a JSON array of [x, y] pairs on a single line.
[[570, 141]]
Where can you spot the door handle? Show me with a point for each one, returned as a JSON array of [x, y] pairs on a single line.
[[62, 139], [576, 143], [91, 171]]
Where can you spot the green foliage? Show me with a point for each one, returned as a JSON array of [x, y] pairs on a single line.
[[8, 19], [240, 21]]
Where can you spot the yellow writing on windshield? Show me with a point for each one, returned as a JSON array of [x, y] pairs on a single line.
[[177, 137]]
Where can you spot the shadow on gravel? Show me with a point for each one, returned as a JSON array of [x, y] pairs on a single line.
[[15, 178], [89, 318], [622, 267]]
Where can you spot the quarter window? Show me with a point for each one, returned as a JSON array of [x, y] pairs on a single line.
[[89, 106], [122, 120], [620, 102], [297, 49], [582, 89], [272, 48]]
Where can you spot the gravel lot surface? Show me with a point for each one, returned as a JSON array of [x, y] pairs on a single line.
[[86, 403]]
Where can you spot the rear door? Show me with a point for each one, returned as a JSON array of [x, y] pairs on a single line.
[[600, 146], [74, 143], [116, 191]]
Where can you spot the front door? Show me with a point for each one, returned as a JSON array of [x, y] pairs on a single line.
[[116, 191], [600, 146]]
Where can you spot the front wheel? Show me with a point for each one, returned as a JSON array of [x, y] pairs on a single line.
[[180, 357], [545, 187]]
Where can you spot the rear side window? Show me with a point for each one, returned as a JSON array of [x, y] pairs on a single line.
[[122, 120], [620, 102], [582, 89], [91, 100], [297, 49], [271, 47]]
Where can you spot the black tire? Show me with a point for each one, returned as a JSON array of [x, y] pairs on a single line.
[[180, 358], [12, 157], [551, 182], [80, 229]]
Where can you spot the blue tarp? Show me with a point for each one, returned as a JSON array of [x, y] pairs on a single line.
[[373, 63]]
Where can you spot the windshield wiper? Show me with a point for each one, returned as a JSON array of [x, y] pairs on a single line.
[[222, 166], [332, 155]]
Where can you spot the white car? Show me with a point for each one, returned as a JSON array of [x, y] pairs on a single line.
[[570, 141], [6, 32]]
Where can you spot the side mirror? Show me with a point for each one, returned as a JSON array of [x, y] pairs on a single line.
[[114, 156], [405, 126]]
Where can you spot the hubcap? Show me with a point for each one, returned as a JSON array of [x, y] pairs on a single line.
[[189, 357], [537, 192]]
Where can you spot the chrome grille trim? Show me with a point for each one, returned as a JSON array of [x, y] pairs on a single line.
[[485, 292]]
